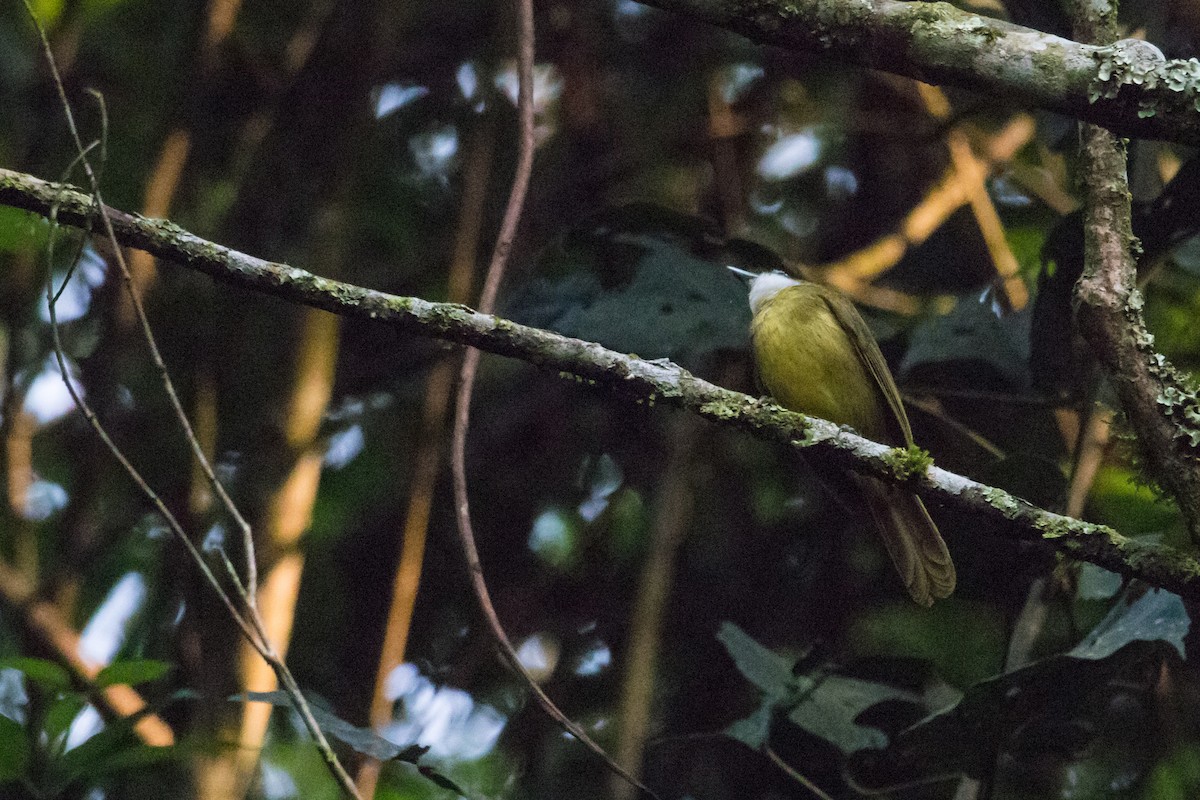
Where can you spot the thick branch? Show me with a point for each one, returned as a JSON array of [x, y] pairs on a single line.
[[1128, 88], [1159, 403], [629, 378]]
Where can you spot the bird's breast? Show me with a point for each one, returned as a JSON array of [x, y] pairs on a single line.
[[808, 363]]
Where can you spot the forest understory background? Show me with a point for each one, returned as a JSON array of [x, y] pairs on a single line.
[[686, 576]]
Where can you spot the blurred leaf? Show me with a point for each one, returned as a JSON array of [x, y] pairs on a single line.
[[825, 706], [1176, 777], [1120, 500], [963, 640], [600, 478], [440, 780], [829, 711], [554, 538], [22, 231], [47, 674], [47, 11], [14, 749], [1158, 615], [642, 280], [771, 673], [1056, 700], [1187, 255], [755, 730], [114, 749], [132, 672], [627, 523], [1025, 241], [971, 334], [1097, 583], [135, 757], [62, 712], [362, 740]]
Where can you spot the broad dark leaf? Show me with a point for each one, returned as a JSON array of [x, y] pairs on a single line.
[[1063, 692], [825, 706], [363, 740], [1158, 615], [830, 710], [641, 280], [971, 337]]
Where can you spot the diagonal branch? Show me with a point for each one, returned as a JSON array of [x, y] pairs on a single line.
[[627, 378], [1128, 87]]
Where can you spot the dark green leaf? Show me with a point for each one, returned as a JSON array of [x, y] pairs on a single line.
[[363, 740], [116, 748], [1120, 499], [14, 749], [771, 673], [47, 674], [643, 280], [1177, 776], [132, 672], [135, 757], [22, 231], [826, 707]]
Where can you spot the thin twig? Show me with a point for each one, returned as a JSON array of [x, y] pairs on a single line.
[[252, 628], [144, 322], [90, 415], [462, 415], [477, 170], [794, 775]]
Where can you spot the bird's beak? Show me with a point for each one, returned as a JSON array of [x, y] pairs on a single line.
[[745, 275]]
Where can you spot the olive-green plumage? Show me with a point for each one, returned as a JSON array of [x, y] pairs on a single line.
[[816, 355]]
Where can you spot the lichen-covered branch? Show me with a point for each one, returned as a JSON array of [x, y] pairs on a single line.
[[1157, 400], [631, 379], [1127, 87]]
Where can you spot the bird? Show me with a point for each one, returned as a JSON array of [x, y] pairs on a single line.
[[815, 354]]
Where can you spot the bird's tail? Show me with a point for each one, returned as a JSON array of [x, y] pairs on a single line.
[[911, 538]]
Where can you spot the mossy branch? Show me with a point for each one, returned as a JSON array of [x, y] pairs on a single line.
[[1159, 402], [1127, 87], [629, 378]]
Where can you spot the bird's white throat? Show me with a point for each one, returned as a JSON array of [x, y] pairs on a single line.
[[766, 286]]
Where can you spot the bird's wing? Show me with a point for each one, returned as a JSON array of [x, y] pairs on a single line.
[[868, 351]]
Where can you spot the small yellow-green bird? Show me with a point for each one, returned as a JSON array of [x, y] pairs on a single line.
[[816, 355]]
